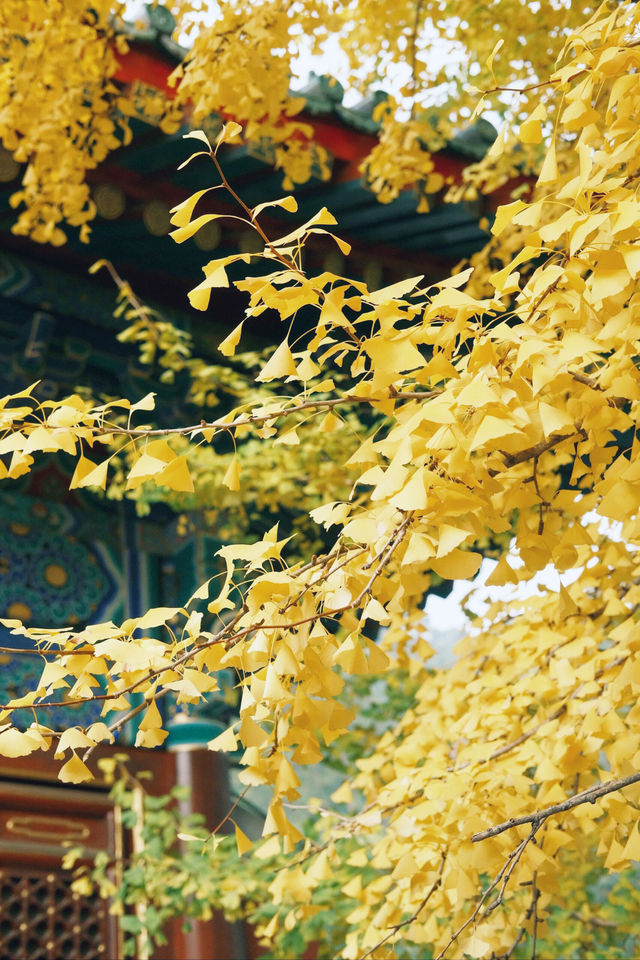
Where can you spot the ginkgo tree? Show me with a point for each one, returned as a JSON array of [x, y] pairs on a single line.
[[508, 400]]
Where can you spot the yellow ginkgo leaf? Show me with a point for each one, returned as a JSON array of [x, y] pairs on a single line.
[[73, 738], [230, 131], [89, 474], [198, 135], [286, 203], [75, 771], [243, 844], [457, 565], [182, 211], [226, 741], [229, 344], [231, 477], [15, 743], [505, 215], [185, 233], [176, 476], [280, 364]]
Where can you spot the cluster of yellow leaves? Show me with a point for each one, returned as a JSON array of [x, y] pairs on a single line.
[[61, 112], [400, 160], [290, 475], [494, 48], [58, 107], [540, 704], [73, 424], [240, 67], [518, 408]]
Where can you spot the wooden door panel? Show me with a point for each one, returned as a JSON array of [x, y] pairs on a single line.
[[41, 917]]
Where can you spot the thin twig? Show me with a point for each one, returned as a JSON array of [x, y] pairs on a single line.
[[514, 945], [503, 874], [120, 722], [223, 423], [534, 909], [532, 86], [542, 502], [217, 638], [414, 916], [231, 809], [286, 261], [537, 818], [512, 459], [595, 921], [414, 56], [41, 653], [617, 402]]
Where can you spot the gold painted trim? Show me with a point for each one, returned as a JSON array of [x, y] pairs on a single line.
[[55, 828], [24, 848]]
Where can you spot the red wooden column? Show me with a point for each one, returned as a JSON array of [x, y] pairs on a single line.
[[204, 774]]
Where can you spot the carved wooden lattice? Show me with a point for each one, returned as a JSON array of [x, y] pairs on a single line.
[[42, 919]]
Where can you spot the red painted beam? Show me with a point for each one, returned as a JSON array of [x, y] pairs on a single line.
[[340, 140], [344, 143], [146, 65], [504, 193], [353, 146]]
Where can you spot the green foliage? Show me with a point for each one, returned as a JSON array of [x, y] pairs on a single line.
[[173, 874]]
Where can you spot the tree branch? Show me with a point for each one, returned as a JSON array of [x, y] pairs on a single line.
[[537, 818], [512, 459], [226, 635], [253, 419], [503, 874]]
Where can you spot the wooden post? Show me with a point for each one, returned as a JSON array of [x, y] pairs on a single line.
[[204, 774]]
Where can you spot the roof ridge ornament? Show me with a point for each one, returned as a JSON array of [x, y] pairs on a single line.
[[160, 18]]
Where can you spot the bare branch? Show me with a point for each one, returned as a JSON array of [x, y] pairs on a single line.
[[504, 875], [595, 921], [537, 818], [511, 459]]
